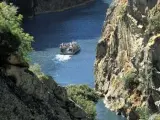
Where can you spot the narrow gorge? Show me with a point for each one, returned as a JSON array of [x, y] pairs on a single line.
[[127, 66], [38, 82]]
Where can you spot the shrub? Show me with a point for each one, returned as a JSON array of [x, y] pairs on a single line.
[[143, 113], [35, 68], [155, 117], [85, 97], [154, 20], [129, 81], [11, 22]]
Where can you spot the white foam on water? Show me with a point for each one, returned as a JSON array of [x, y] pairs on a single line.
[[63, 58]]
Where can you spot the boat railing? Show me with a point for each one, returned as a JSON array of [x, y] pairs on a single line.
[[66, 45]]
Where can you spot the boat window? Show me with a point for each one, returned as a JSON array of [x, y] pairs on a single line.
[[70, 49]]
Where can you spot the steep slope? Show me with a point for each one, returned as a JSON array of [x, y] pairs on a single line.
[[23, 95], [127, 58]]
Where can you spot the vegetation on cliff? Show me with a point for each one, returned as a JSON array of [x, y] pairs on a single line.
[[143, 113], [154, 19], [129, 80], [36, 69], [10, 22], [85, 97], [127, 61]]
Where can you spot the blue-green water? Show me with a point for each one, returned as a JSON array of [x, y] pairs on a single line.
[[82, 24]]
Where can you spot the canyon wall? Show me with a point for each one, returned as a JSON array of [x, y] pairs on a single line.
[[57, 5], [127, 66]]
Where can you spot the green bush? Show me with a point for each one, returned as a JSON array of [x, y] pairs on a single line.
[[143, 113], [129, 80], [85, 97], [11, 22], [155, 117], [36, 69], [154, 19]]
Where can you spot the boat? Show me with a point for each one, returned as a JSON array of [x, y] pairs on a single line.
[[70, 48]]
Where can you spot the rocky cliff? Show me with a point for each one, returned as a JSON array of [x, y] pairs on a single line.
[[26, 97], [127, 66], [31, 7], [57, 5]]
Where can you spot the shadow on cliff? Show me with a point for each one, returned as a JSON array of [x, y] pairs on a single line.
[[81, 23]]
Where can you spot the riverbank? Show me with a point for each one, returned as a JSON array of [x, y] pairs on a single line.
[[67, 8]]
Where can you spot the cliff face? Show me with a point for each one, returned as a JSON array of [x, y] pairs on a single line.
[[31, 7], [57, 5], [127, 62], [24, 96]]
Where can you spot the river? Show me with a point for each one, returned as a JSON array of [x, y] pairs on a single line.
[[82, 24]]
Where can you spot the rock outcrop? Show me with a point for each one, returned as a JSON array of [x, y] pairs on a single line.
[[24, 96], [127, 66]]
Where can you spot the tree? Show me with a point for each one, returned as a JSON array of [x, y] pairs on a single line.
[[10, 22]]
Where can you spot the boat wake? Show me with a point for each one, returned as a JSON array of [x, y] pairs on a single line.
[[63, 58]]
